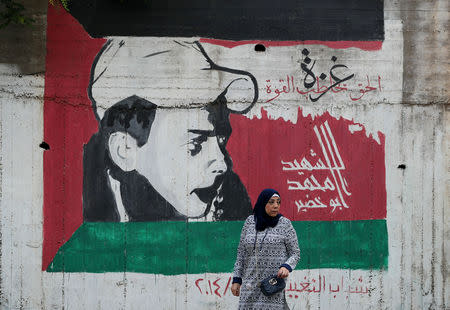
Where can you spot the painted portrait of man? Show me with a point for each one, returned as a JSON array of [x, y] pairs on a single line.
[[152, 162]]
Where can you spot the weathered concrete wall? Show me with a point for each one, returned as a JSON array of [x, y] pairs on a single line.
[[399, 199]]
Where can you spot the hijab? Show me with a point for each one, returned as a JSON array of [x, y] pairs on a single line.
[[262, 219]]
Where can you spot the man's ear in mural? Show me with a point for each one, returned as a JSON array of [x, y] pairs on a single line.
[[122, 150]]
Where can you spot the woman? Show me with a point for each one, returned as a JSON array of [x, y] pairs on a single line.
[[268, 246]]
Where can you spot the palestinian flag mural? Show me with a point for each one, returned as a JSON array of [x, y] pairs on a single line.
[[214, 104]]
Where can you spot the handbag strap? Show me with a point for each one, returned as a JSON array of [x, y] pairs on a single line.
[[262, 241], [260, 248]]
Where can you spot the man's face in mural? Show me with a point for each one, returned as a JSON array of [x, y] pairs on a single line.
[[182, 154], [180, 170]]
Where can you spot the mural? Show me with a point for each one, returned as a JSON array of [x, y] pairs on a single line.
[[166, 141], [149, 162]]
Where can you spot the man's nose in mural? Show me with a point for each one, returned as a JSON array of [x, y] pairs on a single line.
[[217, 166]]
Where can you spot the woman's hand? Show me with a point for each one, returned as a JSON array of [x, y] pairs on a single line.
[[236, 289], [283, 273]]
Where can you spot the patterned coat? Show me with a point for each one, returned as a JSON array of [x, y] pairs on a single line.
[[261, 254]]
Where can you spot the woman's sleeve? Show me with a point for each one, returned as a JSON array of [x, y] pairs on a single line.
[[239, 265], [292, 248]]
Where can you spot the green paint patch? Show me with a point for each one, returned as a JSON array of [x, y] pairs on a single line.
[[172, 248]]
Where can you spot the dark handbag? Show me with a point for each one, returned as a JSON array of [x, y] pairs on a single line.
[[272, 285]]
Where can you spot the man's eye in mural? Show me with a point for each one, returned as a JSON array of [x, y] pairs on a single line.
[[195, 144], [199, 137]]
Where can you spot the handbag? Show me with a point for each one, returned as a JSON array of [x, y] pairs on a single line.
[[272, 285]]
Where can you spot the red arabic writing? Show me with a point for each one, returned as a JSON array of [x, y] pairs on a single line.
[[321, 285], [288, 85], [219, 287]]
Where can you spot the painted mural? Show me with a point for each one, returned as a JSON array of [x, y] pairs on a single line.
[[151, 162], [165, 140]]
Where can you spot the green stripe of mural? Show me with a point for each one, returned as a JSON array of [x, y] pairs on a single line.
[[172, 248]]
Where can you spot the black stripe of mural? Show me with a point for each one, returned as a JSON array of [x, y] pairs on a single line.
[[327, 20]]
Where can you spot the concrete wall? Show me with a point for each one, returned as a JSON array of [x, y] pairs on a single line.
[[383, 247]]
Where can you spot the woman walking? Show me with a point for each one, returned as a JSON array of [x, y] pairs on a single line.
[[268, 247]]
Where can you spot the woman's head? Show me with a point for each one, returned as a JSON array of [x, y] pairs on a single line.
[[272, 207], [267, 209]]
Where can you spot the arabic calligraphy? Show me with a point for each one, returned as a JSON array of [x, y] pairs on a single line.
[[332, 166], [316, 86], [321, 285]]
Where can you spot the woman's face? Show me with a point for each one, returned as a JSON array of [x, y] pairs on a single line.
[[273, 206]]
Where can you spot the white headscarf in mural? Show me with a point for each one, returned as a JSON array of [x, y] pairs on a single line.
[[166, 72]]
